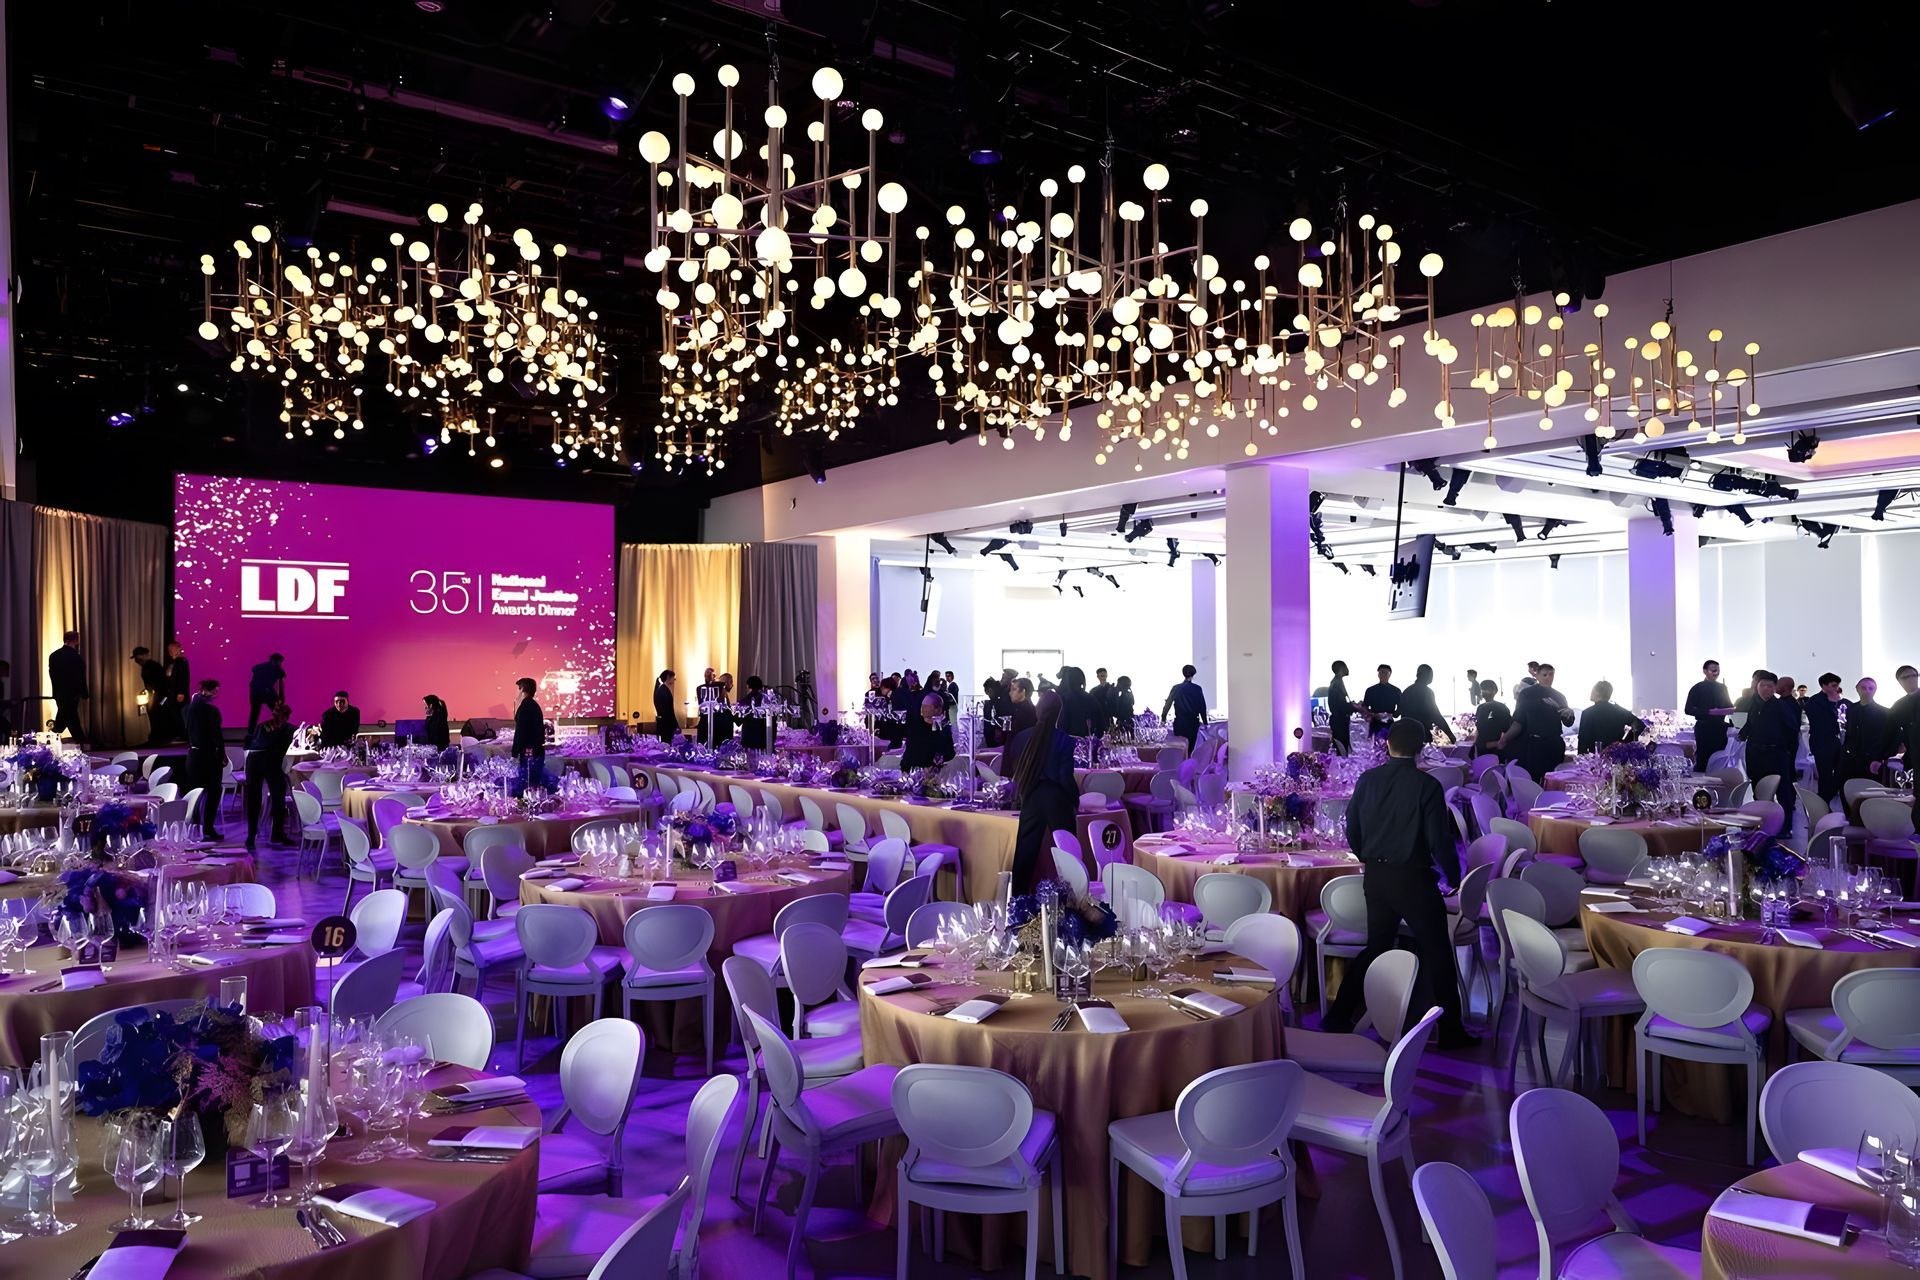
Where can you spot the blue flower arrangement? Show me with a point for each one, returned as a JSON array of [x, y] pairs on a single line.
[[1082, 920], [724, 820], [205, 1059], [122, 820], [532, 773], [123, 895], [1769, 861], [39, 768]]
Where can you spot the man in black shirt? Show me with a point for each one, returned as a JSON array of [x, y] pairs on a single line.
[[1709, 703], [1605, 722], [1188, 703], [529, 726], [1869, 737], [1772, 735], [1397, 824], [339, 723], [1491, 720], [179, 689], [1533, 741], [1417, 703], [266, 686], [1473, 687], [1340, 711], [67, 676], [929, 736], [1102, 694], [153, 679], [267, 767], [1382, 701], [1826, 716], [1904, 716], [206, 754]]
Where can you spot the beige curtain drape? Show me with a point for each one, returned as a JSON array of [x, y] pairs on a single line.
[[679, 609], [106, 579]]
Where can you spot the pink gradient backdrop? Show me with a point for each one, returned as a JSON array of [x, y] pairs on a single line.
[[394, 543]]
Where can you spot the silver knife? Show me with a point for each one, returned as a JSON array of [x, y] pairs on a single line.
[[305, 1219], [326, 1225]]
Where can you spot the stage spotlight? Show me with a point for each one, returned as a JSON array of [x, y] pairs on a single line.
[[941, 541], [1547, 527], [1430, 468], [1077, 591], [816, 467], [1802, 445], [1063, 526], [1342, 568], [1110, 578], [1699, 509], [1455, 483], [1553, 561], [994, 545], [1740, 513], [1058, 589], [1518, 526], [616, 108], [1126, 514], [121, 419], [926, 574], [1368, 570], [1314, 499], [1173, 551], [1590, 445], [1882, 501], [1011, 562], [1141, 528], [1664, 514], [1212, 559], [1060, 576], [1487, 547], [1661, 465], [1020, 528]]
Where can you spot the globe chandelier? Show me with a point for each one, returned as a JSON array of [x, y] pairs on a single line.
[[827, 391], [685, 447]]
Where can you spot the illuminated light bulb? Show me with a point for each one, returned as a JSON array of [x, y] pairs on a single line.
[[1198, 208], [827, 84], [772, 246], [1300, 229], [436, 212], [260, 234], [776, 118], [1155, 178], [1431, 265], [209, 330], [892, 197], [727, 211], [871, 120]]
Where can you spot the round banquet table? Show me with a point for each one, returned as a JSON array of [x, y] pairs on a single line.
[[279, 979], [1573, 779], [220, 867], [1086, 1080], [736, 914], [542, 836], [1729, 1251], [1785, 977], [356, 800], [483, 1214], [1295, 877], [37, 815], [1560, 834]]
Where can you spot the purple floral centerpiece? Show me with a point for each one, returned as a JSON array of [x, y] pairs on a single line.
[[39, 768], [1081, 920], [94, 889], [122, 820], [206, 1059], [1629, 771]]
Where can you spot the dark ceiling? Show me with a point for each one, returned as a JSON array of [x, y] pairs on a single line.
[[1549, 143]]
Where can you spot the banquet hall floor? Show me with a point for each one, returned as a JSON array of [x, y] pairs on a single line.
[[1460, 1115]]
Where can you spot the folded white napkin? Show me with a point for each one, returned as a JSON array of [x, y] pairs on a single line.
[[1776, 1213], [1612, 906], [1241, 973], [276, 939], [492, 1087], [1735, 820], [832, 864], [1603, 891], [799, 877], [1226, 860], [1639, 882], [499, 1137], [374, 1204], [978, 1009], [486, 819], [1800, 938], [732, 886], [904, 960], [275, 922], [139, 1255], [1101, 1017], [565, 883], [212, 959], [563, 860], [1206, 1002], [1599, 820], [663, 891], [404, 1053], [82, 978], [1688, 925], [1900, 936], [216, 862], [1836, 1161], [899, 982]]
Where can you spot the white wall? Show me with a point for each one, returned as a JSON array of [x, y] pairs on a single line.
[[896, 609]]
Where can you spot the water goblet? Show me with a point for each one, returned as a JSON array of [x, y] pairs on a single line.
[[134, 1161], [182, 1148], [270, 1130]]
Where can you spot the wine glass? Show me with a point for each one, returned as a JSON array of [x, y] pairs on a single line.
[[269, 1132], [46, 1157], [134, 1161], [314, 1122], [1875, 1159], [182, 1148]]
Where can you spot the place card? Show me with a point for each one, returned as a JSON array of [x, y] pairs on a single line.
[[492, 1137], [899, 982], [249, 1175], [138, 1255], [978, 1009], [1776, 1213], [1206, 1002]]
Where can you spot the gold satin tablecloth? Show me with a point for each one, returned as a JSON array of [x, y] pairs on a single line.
[[356, 801], [1785, 977], [1561, 835], [735, 916], [483, 1218], [279, 980], [1729, 1251], [542, 836], [985, 838], [1086, 1080], [1295, 878]]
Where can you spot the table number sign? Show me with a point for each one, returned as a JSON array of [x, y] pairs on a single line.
[[333, 937]]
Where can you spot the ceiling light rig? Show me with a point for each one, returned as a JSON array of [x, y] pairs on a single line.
[[683, 448]]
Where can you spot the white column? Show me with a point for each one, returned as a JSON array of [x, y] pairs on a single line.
[[843, 640], [1269, 612], [9, 427], [1663, 609], [1206, 631]]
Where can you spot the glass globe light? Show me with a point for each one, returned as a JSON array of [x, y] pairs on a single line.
[[1300, 229], [436, 212], [892, 197], [1156, 177], [683, 85], [654, 146], [1431, 265], [776, 118], [827, 84]]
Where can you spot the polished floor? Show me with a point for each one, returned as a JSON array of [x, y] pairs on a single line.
[[1460, 1116]]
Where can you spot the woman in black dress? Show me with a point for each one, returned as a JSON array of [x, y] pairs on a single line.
[[666, 719], [435, 730], [1044, 783]]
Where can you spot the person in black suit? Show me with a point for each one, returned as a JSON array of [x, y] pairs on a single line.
[[1187, 702], [753, 729], [1078, 714], [1869, 738], [929, 736], [1041, 766], [339, 723], [1606, 722], [1709, 703], [1772, 735], [723, 722], [267, 768], [436, 731], [67, 674], [206, 754], [1417, 703], [265, 686], [1397, 824], [529, 725], [1340, 711], [1382, 702], [1491, 720], [1021, 711], [153, 679], [1102, 695], [179, 689], [1825, 713], [1123, 711], [666, 716], [1904, 715], [1533, 740]]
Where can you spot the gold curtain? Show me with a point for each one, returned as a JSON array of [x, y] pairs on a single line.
[[679, 609]]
